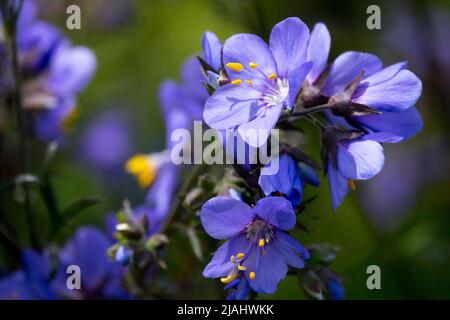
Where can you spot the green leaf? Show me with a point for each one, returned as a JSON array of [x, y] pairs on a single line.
[[78, 206], [195, 242]]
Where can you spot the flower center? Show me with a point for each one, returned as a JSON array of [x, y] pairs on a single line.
[[259, 232], [276, 92]]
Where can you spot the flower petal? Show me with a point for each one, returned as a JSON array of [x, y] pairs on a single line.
[[338, 186], [293, 251], [385, 74], [396, 126], [220, 264], [257, 131], [286, 181], [318, 50], [269, 268], [244, 49], [71, 69], [346, 68], [288, 42], [224, 217], [231, 106], [295, 78], [212, 50], [360, 159], [277, 211], [396, 94]]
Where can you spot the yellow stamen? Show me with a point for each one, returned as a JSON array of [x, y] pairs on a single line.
[[228, 279], [142, 168], [272, 76], [242, 268], [236, 82], [351, 184], [235, 66], [248, 81], [261, 243], [240, 255], [252, 275], [69, 121], [253, 65], [233, 258]]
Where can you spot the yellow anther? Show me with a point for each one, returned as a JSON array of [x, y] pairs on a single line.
[[248, 81], [261, 242], [242, 268], [252, 275], [228, 279], [351, 184], [272, 76], [253, 65], [240, 255], [142, 168], [69, 121], [235, 66], [233, 259], [236, 82]]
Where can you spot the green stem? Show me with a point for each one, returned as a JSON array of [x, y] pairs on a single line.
[[23, 148], [199, 169], [297, 114]]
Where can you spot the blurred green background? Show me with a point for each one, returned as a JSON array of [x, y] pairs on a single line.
[[140, 43]]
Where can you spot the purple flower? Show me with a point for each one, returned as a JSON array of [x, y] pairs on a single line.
[[106, 142], [264, 80], [100, 278], [287, 181], [31, 282], [212, 50], [349, 159], [259, 248], [392, 91]]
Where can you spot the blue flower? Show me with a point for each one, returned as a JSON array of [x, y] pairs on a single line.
[[264, 80], [100, 278], [287, 181], [259, 248], [31, 282], [392, 90], [349, 159]]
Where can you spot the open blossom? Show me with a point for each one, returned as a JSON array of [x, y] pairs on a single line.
[[391, 91], [265, 80], [259, 248]]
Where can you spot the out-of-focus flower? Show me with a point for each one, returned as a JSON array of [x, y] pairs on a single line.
[[100, 278], [259, 248], [106, 142], [55, 72], [87, 249], [31, 282], [264, 80]]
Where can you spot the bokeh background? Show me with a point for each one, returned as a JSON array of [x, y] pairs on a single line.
[[400, 220]]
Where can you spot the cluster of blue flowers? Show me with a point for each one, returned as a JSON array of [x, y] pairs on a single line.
[[244, 83], [54, 73], [364, 105]]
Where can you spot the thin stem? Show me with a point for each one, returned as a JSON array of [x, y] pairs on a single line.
[[301, 113], [199, 169], [23, 148]]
